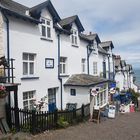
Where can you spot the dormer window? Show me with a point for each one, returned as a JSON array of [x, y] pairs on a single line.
[[46, 28], [74, 37]]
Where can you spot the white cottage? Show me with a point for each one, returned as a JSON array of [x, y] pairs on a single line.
[[49, 52]]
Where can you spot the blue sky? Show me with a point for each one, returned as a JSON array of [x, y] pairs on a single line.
[[116, 20]]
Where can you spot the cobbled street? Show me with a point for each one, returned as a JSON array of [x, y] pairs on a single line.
[[123, 127]]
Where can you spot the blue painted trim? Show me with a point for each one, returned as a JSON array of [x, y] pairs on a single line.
[[59, 78], [29, 78]]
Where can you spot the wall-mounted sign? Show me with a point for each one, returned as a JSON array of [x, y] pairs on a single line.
[[49, 63]]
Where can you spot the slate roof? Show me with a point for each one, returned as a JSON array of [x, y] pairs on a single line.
[[14, 6], [101, 50], [69, 20], [90, 37], [59, 28], [107, 44], [36, 10], [84, 80], [18, 10]]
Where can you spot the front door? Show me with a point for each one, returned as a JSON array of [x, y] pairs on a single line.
[[52, 99]]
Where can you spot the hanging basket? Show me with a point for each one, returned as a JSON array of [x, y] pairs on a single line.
[[3, 95]]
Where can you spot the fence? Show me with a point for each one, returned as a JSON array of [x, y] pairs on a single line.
[[36, 122]]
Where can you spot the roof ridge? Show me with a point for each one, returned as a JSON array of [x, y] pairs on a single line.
[[32, 8], [69, 17]]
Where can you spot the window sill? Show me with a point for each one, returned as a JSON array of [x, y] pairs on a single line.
[[46, 39], [64, 75], [29, 78], [76, 46]]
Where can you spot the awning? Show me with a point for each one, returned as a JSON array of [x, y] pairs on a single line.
[[84, 80]]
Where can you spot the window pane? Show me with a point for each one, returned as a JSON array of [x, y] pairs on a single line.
[[31, 57], [60, 68], [72, 39], [25, 68], [25, 95], [31, 94], [25, 56], [48, 32], [48, 22], [75, 39], [31, 68], [25, 103], [43, 31], [73, 92], [43, 21], [64, 69]]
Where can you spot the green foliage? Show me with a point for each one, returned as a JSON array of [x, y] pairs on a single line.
[[135, 96], [118, 89], [62, 123]]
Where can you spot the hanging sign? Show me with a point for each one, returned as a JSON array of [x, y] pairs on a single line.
[[93, 92], [112, 91]]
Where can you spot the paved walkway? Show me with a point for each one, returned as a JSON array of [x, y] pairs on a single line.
[[124, 127]]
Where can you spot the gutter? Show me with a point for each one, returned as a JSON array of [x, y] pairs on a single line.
[[8, 44], [59, 78]]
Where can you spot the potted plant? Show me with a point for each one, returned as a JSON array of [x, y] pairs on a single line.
[[3, 92]]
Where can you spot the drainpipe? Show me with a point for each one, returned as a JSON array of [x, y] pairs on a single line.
[[88, 59], [59, 78], [108, 67], [8, 45]]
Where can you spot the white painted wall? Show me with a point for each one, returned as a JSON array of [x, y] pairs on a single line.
[[25, 37], [82, 96]]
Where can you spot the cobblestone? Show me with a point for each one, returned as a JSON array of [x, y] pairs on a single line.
[[123, 127]]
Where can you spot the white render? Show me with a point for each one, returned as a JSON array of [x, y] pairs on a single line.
[[25, 37]]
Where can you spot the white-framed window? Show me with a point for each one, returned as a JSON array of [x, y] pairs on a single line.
[[28, 64], [83, 65], [74, 37], [28, 99], [63, 65], [94, 68], [46, 28], [101, 98]]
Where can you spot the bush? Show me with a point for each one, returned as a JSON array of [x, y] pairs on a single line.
[[62, 123], [135, 96]]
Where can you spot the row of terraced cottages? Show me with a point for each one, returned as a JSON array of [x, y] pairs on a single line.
[[56, 64]]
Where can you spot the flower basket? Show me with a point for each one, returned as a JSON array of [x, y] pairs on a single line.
[[3, 92], [3, 95]]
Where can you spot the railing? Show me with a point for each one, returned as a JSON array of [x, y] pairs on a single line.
[[36, 122], [7, 73]]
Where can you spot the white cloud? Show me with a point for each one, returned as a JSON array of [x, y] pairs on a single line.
[[116, 20]]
